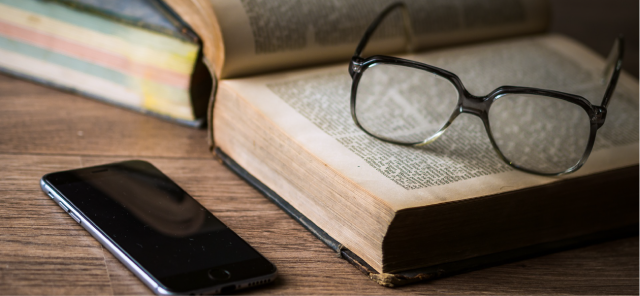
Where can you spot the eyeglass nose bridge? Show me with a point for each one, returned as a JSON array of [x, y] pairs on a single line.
[[471, 104]]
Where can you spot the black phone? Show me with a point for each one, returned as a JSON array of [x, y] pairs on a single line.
[[163, 235]]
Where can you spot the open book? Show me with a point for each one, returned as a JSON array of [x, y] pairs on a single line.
[[281, 119]]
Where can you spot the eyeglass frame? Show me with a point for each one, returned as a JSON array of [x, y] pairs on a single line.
[[480, 105]]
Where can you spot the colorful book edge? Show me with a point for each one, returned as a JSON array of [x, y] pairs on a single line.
[[198, 123], [171, 25]]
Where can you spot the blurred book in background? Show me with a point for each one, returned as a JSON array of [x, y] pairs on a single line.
[[136, 54]]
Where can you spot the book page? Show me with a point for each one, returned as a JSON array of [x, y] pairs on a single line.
[[262, 36], [312, 106]]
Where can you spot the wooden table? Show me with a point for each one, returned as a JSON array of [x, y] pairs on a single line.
[[43, 251]]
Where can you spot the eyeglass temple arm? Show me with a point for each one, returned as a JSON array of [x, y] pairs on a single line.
[[408, 32], [613, 69]]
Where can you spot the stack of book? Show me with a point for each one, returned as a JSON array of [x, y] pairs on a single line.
[[136, 54]]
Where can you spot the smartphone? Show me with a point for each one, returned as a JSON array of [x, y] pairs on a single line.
[[156, 229]]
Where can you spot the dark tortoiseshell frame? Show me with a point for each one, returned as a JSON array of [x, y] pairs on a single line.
[[480, 105]]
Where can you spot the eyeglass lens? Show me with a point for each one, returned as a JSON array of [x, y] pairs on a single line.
[[403, 104], [538, 133], [409, 105]]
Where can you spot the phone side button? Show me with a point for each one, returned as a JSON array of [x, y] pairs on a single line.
[[75, 217], [63, 207]]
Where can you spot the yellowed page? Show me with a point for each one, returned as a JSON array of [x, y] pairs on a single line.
[[264, 36], [199, 15], [312, 106]]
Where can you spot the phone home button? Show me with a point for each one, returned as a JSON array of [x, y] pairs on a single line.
[[219, 274]]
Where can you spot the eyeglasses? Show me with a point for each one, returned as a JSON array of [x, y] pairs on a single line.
[[544, 132]]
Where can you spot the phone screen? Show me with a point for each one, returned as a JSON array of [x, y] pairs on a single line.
[[158, 224]]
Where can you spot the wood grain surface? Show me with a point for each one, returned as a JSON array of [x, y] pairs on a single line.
[[43, 251]]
